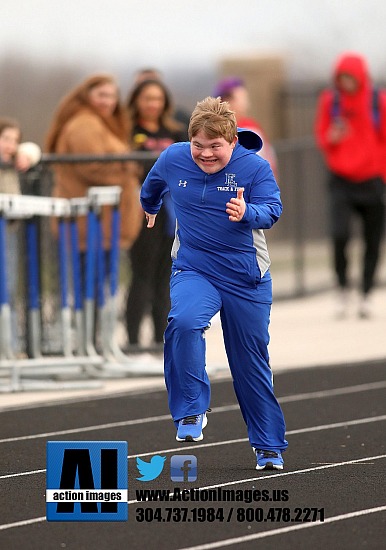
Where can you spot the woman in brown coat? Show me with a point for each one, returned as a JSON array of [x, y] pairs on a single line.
[[91, 120]]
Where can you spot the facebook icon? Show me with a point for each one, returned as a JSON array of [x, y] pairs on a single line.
[[183, 468]]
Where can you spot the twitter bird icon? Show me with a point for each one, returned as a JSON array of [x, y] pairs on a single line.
[[150, 470]]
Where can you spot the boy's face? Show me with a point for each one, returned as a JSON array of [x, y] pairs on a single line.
[[211, 155], [9, 141]]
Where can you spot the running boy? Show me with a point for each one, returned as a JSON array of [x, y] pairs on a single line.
[[224, 195]]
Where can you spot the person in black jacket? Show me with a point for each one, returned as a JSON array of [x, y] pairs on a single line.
[[152, 129]]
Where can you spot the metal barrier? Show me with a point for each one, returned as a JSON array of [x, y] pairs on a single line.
[[16, 207], [298, 247], [300, 243], [302, 178], [82, 362]]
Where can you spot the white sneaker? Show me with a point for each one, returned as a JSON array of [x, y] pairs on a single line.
[[190, 428], [365, 308], [341, 304]]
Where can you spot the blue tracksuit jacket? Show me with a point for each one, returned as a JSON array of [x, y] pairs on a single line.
[[206, 240], [219, 265]]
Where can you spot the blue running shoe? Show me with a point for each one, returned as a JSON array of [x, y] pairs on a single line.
[[190, 428], [268, 460]]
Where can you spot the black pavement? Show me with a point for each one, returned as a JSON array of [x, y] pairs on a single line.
[[335, 468]]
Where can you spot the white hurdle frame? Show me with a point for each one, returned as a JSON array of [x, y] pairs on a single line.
[[115, 361], [24, 207]]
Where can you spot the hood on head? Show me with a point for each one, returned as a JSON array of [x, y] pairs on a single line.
[[353, 64], [249, 139]]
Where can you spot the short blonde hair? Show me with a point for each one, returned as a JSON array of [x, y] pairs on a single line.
[[215, 118]]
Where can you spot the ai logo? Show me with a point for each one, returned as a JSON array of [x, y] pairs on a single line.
[[87, 481]]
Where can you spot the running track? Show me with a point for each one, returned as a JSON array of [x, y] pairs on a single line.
[[336, 460]]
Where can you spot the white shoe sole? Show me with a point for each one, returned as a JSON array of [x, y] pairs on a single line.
[[270, 466], [189, 438]]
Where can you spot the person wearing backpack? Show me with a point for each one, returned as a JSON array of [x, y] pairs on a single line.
[[350, 130]]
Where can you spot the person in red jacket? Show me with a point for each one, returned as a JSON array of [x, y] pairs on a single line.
[[350, 130]]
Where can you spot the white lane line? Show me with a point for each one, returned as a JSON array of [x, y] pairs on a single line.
[[108, 426], [283, 530], [20, 474], [233, 441], [240, 481], [290, 432], [334, 392], [227, 408], [286, 474], [22, 523]]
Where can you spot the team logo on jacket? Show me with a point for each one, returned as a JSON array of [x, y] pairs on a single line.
[[230, 184], [230, 179]]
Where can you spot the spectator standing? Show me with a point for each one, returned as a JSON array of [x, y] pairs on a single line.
[[150, 73], [91, 120], [224, 196], [152, 129], [233, 90], [15, 158], [351, 133]]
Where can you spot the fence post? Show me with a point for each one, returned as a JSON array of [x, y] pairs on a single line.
[[299, 237], [5, 312]]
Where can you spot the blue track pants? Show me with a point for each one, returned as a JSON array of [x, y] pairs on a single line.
[[245, 315]]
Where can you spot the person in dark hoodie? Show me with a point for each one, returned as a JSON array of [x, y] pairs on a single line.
[[350, 130], [224, 195]]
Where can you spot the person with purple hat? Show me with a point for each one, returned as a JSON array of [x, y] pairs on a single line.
[[233, 90]]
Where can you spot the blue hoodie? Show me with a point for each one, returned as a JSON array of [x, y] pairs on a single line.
[[206, 240]]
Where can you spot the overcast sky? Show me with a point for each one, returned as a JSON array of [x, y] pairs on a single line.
[[199, 33]]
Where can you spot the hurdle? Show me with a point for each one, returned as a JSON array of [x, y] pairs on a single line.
[[5, 311], [28, 208], [84, 283], [115, 361], [78, 207]]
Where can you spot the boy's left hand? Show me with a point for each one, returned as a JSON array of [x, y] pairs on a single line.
[[235, 208]]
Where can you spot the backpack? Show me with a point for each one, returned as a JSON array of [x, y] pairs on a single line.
[[375, 108]]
